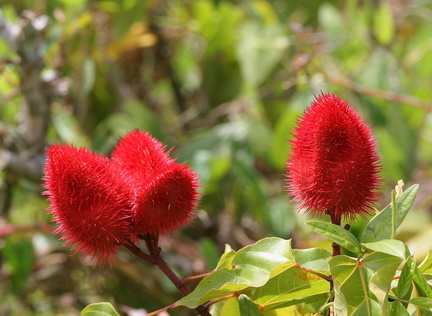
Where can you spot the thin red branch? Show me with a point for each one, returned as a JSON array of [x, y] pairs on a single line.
[[155, 258]]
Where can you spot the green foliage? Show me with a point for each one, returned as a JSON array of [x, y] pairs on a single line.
[[380, 226], [222, 83], [99, 309], [270, 275]]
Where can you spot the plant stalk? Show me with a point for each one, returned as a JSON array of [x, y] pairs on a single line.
[[155, 258], [337, 221]]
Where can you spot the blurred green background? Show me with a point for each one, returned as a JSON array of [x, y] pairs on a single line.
[[222, 82]]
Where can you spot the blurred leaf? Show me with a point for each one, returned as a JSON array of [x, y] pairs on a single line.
[[384, 26], [217, 24], [99, 309], [336, 234], [222, 69], [247, 306], [281, 217], [380, 226], [88, 75], [279, 147], [210, 252], [18, 256], [259, 50], [330, 18], [368, 278], [68, 128], [135, 115]]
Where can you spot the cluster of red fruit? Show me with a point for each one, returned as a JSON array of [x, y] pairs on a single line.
[[100, 203]]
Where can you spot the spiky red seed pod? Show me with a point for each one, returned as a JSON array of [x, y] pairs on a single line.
[[333, 167], [139, 155], [167, 201], [90, 201]]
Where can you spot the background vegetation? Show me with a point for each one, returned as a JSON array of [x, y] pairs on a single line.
[[223, 83]]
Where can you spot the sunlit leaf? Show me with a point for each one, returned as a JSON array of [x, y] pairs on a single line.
[[361, 286], [389, 246], [423, 302], [251, 266], [380, 227], [396, 308], [421, 284], [99, 309], [336, 234], [247, 306], [291, 287], [404, 286], [426, 265], [226, 307], [313, 258]]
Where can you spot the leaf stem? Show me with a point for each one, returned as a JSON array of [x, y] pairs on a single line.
[[195, 277], [322, 276], [155, 258], [235, 294]]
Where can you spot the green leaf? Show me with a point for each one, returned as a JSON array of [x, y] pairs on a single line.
[[380, 226], [247, 306], [99, 309], [423, 302], [397, 308], [421, 284], [251, 266], [404, 286], [314, 258], [384, 26], [226, 307], [259, 50], [336, 234], [426, 265], [18, 255], [210, 252], [368, 278], [291, 287], [88, 75], [226, 258], [389, 246]]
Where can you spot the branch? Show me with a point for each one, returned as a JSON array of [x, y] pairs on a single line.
[[7, 230], [377, 93]]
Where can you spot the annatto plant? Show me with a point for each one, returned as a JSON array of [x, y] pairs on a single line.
[[333, 168]]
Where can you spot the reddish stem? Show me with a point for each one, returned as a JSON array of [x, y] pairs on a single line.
[[156, 259], [337, 221], [195, 277], [323, 276]]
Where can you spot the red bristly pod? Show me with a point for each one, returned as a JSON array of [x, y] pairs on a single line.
[[334, 166], [90, 201]]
